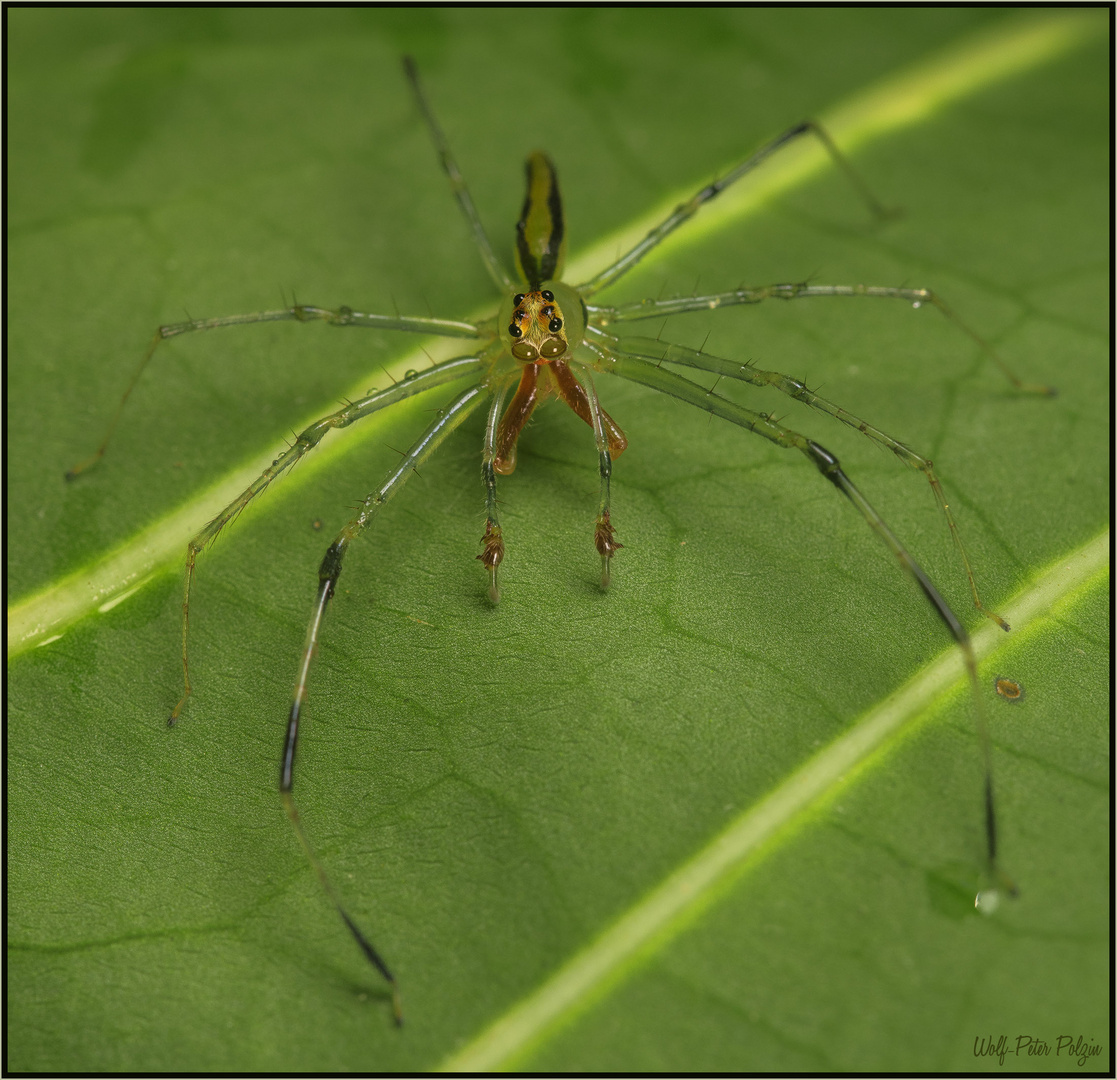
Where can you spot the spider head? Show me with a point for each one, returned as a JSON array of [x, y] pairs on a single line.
[[536, 325]]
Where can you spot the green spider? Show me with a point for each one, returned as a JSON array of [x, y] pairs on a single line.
[[549, 339]]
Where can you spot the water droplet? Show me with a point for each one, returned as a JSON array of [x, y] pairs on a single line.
[[987, 901], [917, 303]]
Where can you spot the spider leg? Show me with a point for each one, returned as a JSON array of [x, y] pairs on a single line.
[[656, 351], [496, 270], [342, 316], [603, 534], [448, 371], [493, 540], [684, 211], [641, 371], [647, 309], [328, 574]]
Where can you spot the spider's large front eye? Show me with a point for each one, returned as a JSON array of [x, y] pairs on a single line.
[[524, 350], [550, 349]]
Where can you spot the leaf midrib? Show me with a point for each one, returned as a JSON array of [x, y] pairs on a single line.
[[892, 104], [670, 907]]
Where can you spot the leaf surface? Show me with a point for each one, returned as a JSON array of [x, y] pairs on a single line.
[[493, 790]]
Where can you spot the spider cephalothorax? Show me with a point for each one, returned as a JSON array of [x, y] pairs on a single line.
[[536, 326], [543, 326]]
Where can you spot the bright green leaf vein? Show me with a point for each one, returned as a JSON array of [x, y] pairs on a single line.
[[898, 102], [669, 908]]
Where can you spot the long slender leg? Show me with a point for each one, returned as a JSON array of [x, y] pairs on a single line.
[[657, 351], [493, 540], [449, 371], [342, 316], [658, 378], [496, 270], [684, 211], [647, 309], [603, 534], [328, 574]]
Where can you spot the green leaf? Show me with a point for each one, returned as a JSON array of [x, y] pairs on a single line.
[[495, 791]]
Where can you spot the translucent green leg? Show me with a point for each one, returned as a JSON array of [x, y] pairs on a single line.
[[493, 540], [449, 371], [647, 309], [641, 371], [684, 211], [342, 316], [658, 351], [603, 533], [328, 574], [496, 270]]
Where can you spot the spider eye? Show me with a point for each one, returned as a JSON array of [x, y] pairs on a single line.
[[514, 330], [547, 295], [553, 348], [555, 325], [518, 299], [524, 350]]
